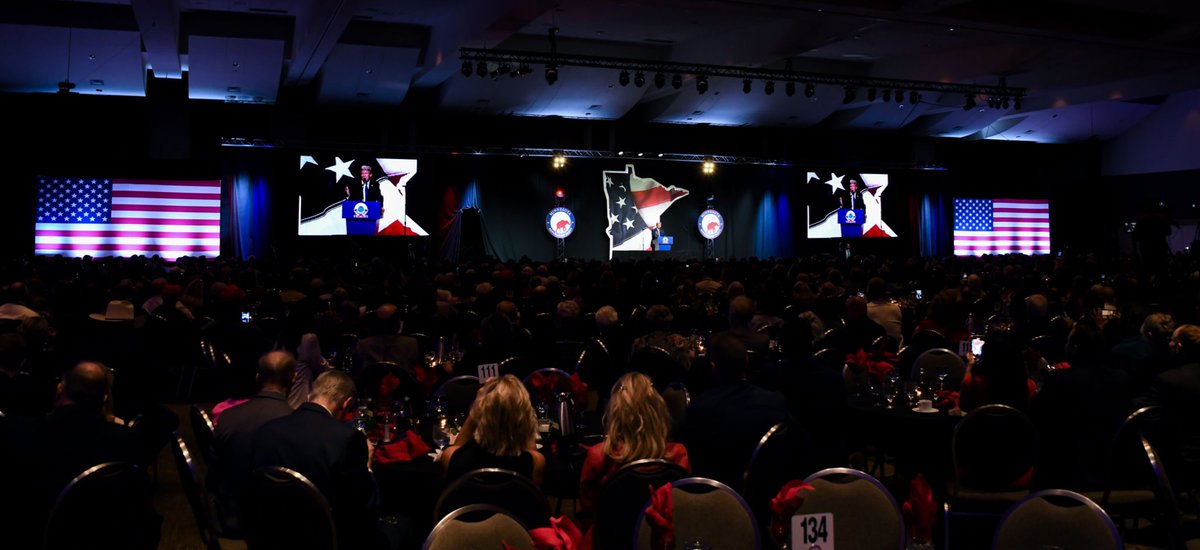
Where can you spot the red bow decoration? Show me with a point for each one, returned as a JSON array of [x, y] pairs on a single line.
[[561, 535], [785, 504], [878, 364], [947, 399], [544, 385], [425, 377], [920, 510], [402, 450], [1062, 366], [661, 516], [858, 361], [387, 385], [579, 389]]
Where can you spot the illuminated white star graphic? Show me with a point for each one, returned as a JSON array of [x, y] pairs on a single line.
[[811, 176], [628, 223], [835, 183], [621, 202], [341, 169], [613, 219], [307, 159]]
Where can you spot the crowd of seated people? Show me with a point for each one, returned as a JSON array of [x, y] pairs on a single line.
[[1108, 337]]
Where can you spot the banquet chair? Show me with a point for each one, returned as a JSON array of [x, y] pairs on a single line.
[[696, 501], [658, 364], [559, 380], [506, 489], [594, 367], [282, 509], [830, 358], [202, 430], [864, 512], [517, 366], [993, 452], [369, 379], [886, 343], [567, 353], [677, 398], [478, 526], [621, 494], [205, 525], [1050, 349], [926, 366], [107, 506], [1129, 471], [1057, 518], [927, 339], [459, 393], [782, 454]]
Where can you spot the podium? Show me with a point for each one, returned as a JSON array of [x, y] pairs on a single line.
[[665, 242], [361, 216], [851, 221]]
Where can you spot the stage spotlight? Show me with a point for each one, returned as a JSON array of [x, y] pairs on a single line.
[[481, 69], [558, 193], [551, 75], [850, 94], [623, 79], [970, 102], [810, 90], [559, 160], [871, 94], [769, 87], [708, 167], [677, 81], [1004, 103], [701, 84], [639, 79], [746, 86], [789, 89], [467, 69], [660, 79], [887, 96], [913, 97]]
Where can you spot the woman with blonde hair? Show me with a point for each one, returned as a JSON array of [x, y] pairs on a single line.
[[636, 423], [499, 432]]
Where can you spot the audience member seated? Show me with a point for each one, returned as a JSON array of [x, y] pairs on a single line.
[[332, 455], [39, 455], [1153, 356], [636, 422], [883, 311], [1177, 391], [500, 432], [658, 323], [741, 312], [725, 423], [998, 376], [18, 389], [233, 439], [860, 331], [384, 341]]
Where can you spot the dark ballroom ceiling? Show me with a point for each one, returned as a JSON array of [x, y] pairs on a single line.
[[1092, 69]]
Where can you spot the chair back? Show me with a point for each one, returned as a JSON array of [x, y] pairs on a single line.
[[595, 365], [566, 353], [202, 430], [994, 448], [677, 399], [544, 385], [697, 501], [478, 526], [927, 365], [620, 499], [1056, 518], [191, 489], [459, 393], [864, 513], [781, 455], [282, 509], [498, 487], [517, 366], [886, 343], [658, 364], [107, 506], [1127, 464], [369, 382], [831, 358], [1049, 348]]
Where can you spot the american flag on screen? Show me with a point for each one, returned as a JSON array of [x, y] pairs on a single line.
[[1001, 226], [635, 204], [105, 217]]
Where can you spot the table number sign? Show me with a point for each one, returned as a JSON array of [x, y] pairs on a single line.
[[488, 371], [812, 531]]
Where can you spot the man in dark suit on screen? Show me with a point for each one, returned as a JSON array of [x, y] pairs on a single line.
[[655, 234], [366, 188]]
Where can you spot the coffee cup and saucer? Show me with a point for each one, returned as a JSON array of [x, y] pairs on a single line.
[[925, 406]]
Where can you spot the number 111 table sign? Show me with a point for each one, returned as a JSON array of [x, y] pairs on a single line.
[[812, 532]]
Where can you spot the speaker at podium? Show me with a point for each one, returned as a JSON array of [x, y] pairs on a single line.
[[361, 216], [664, 242], [851, 220]]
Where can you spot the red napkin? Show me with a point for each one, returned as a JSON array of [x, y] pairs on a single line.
[[387, 385], [426, 378], [401, 450], [661, 515], [920, 510], [947, 399], [561, 535], [858, 361], [543, 385], [1062, 366], [785, 504], [579, 389]]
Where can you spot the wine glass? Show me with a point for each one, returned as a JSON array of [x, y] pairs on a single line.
[[943, 371], [912, 390], [780, 533], [891, 393]]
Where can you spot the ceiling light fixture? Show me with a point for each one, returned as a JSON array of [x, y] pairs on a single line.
[[810, 90], [887, 96], [467, 69], [677, 81], [769, 87], [660, 79], [789, 89], [551, 75], [871, 94], [970, 101], [701, 84], [746, 86], [623, 78], [639, 79], [914, 97]]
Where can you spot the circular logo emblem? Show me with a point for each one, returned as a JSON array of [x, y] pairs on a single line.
[[560, 222], [360, 210], [711, 224], [851, 217]]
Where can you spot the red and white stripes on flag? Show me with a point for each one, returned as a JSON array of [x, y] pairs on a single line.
[[170, 218], [1001, 226]]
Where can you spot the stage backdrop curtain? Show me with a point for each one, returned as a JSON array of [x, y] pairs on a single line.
[[934, 227], [248, 218]]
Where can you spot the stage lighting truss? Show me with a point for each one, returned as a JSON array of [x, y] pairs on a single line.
[[638, 69]]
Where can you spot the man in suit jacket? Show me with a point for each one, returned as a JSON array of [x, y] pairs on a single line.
[[1177, 391], [366, 189], [332, 455], [655, 233], [233, 439], [724, 424], [385, 342], [741, 313], [40, 455]]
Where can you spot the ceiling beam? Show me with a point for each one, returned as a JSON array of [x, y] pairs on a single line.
[[318, 29], [158, 21]]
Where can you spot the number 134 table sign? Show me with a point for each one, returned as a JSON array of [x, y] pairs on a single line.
[[812, 532]]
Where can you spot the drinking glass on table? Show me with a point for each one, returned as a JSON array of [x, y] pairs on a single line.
[[943, 372], [912, 390], [891, 392]]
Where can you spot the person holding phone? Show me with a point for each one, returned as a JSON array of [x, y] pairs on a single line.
[[1000, 378]]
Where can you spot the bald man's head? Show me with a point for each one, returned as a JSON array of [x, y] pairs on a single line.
[[84, 385], [276, 371]]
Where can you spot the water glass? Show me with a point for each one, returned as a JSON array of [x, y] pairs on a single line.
[[891, 392]]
